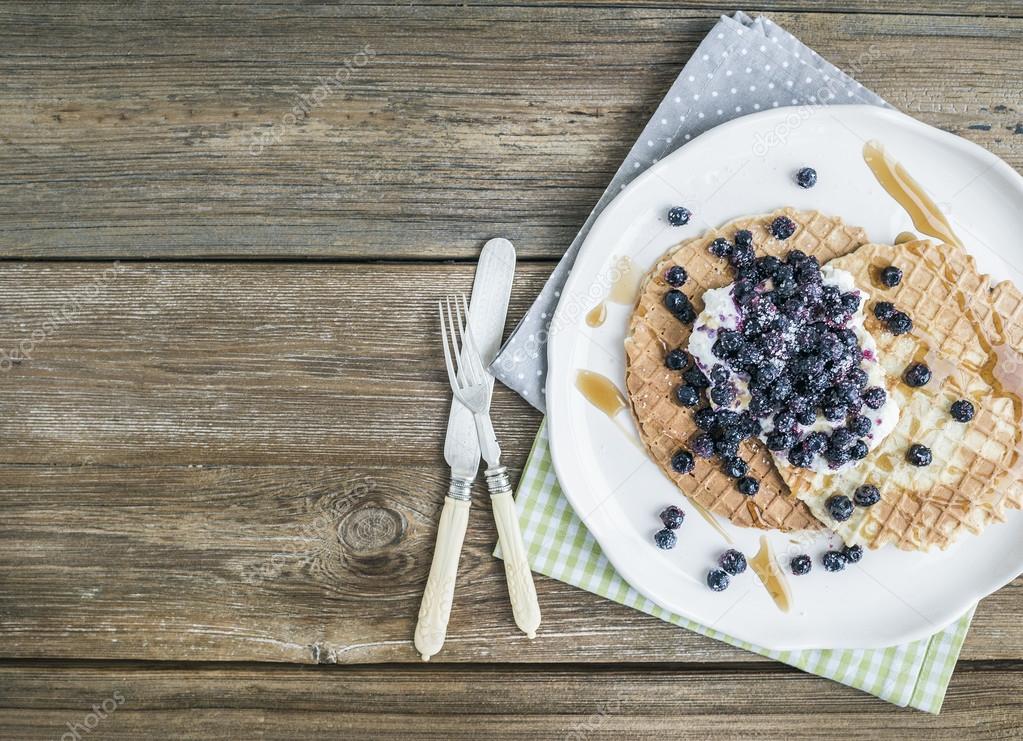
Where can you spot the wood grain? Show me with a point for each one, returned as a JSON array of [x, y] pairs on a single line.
[[512, 702], [126, 135]]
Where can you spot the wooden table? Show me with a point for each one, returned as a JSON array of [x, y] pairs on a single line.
[[224, 403]]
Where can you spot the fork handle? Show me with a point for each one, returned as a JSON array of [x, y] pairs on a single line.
[[525, 606], [435, 609]]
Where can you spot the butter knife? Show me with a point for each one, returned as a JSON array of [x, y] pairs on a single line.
[[487, 312]]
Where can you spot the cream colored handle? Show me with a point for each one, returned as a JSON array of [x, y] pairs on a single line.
[[440, 586], [516, 566]]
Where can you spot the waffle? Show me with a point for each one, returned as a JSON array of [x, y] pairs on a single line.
[[970, 334], [664, 426]]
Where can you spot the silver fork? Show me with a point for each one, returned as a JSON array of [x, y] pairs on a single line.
[[467, 377]]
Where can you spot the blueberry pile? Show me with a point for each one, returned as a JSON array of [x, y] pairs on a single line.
[[796, 349]]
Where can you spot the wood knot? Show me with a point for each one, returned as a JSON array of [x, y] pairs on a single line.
[[371, 528]]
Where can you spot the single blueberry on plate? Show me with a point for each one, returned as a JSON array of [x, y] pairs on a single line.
[[686, 395], [747, 486], [866, 495], [672, 517], [718, 580], [917, 375], [834, 561], [919, 455], [783, 227], [679, 216], [735, 467], [676, 275], [853, 553], [682, 462], [891, 276], [665, 539], [899, 323], [720, 247], [962, 410], [875, 397], [744, 238], [702, 445], [801, 565], [840, 507], [732, 561], [676, 359], [806, 177]]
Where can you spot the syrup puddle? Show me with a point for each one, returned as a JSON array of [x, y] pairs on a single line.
[[624, 287], [765, 567], [892, 176], [601, 392]]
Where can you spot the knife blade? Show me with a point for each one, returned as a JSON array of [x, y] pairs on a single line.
[[488, 308]]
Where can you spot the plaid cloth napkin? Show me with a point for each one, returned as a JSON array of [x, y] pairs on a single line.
[[559, 546]]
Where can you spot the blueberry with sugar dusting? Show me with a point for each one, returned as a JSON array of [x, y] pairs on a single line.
[[899, 323], [859, 425], [672, 517], [853, 553], [732, 561], [875, 397], [723, 394], [917, 375], [801, 565], [800, 457], [858, 377], [719, 374], [841, 438], [702, 445], [665, 539], [834, 561], [747, 486], [962, 411], [778, 440], [679, 216], [686, 395], [850, 301], [676, 275], [718, 580], [816, 442], [675, 300], [735, 467], [676, 359], [783, 227], [742, 257], [744, 238], [726, 449], [891, 276], [883, 310], [705, 418], [840, 507], [695, 378], [858, 451], [866, 495], [806, 417], [686, 313], [682, 462], [919, 455], [720, 247], [806, 177]]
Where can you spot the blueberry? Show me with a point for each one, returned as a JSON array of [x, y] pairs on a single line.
[[726, 449], [840, 507], [857, 377], [702, 445], [807, 417], [726, 345], [718, 580], [744, 238], [720, 247], [891, 276], [732, 561], [723, 395], [875, 397], [834, 561], [800, 457], [866, 495], [695, 378], [816, 442], [705, 418], [806, 177], [899, 323], [767, 266], [784, 421], [676, 275], [747, 486], [674, 301], [719, 374], [665, 539], [676, 359], [835, 412], [783, 227], [838, 456], [686, 395], [853, 553], [859, 425], [742, 257], [917, 375], [672, 517], [780, 440], [679, 216], [735, 467], [682, 462], [794, 257], [686, 313], [858, 451], [850, 301], [919, 455], [883, 310], [801, 565], [962, 410]]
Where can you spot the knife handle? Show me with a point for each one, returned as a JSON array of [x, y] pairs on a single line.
[[525, 606], [440, 586]]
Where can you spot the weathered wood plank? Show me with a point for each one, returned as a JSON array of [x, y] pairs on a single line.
[[126, 134], [197, 701]]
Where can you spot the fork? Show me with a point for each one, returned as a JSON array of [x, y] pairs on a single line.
[[467, 377]]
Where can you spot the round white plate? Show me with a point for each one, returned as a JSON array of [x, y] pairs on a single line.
[[746, 167]]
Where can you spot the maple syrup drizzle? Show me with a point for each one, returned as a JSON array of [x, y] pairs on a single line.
[[754, 513], [903, 237], [623, 290], [596, 316], [601, 392], [772, 577], [892, 176]]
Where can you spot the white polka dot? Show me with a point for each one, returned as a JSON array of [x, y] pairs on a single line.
[[557, 293], [710, 75], [734, 91], [699, 115], [756, 106], [525, 392], [692, 79], [654, 160], [797, 55], [705, 57], [784, 64], [522, 375], [681, 118], [721, 35], [635, 165], [774, 104], [696, 96], [809, 80], [650, 143], [775, 39], [668, 140], [795, 101], [763, 48], [767, 68], [728, 73], [543, 315], [724, 54], [748, 70], [827, 78], [539, 373], [742, 51], [720, 111], [770, 86], [788, 83], [739, 31], [738, 108], [752, 88], [678, 99], [848, 93], [813, 98], [543, 390], [687, 137], [714, 94]]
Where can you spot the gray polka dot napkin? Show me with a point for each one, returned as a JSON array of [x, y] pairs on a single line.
[[744, 65]]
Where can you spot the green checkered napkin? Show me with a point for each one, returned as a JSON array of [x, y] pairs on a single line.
[[915, 674]]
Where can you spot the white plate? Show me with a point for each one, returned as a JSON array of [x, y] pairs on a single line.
[[746, 167]]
